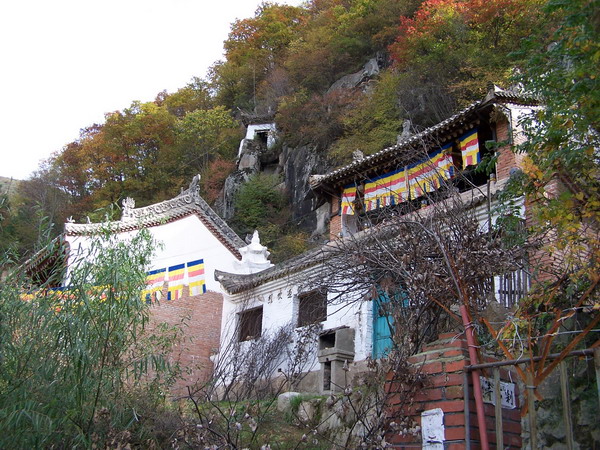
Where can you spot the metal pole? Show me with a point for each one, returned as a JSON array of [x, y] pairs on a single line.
[[498, 410], [476, 382], [467, 411], [564, 388], [514, 362], [531, 410], [597, 365]]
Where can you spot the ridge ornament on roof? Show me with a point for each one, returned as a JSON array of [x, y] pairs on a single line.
[[188, 202]]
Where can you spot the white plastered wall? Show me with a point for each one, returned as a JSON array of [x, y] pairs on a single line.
[[279, 300], [180, 241], [252, 130]]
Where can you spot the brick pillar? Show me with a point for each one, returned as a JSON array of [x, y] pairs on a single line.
[[506, 157], [335, 221], [442, 363]]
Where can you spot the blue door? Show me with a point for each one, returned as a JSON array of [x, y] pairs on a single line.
[[383, 326]]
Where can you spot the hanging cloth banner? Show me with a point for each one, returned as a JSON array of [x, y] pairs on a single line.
[[154, 284], [428, 176], [469, 148], [348, 198], [445, 164], [385, 190], [195, 271], [176, 275]]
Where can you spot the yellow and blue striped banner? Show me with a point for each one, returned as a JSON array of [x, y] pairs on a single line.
[[195, 270], [428, 176], [385, 190], [155, 280], [176, 275], [348, 197]]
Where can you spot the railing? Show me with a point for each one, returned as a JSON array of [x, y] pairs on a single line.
[[531, 413], [511, 287]]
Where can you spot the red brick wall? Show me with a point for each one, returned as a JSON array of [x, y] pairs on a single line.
[[443, 362], [506, 157], [335, 222], [199, 317], [543, 265]]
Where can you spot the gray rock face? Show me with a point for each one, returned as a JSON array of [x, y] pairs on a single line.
[[250, 155], [224, 204], [308, 411], [369, 70], [297, 165], [254, 158], [249, 161]]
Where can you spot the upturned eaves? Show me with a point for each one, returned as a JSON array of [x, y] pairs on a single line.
[[185, 204], [407, 151]]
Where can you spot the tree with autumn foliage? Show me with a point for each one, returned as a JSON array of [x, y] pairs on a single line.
[[253, 50], [146, 151], [561, 182], [454, 48]]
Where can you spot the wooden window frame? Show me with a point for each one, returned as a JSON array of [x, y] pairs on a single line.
[[250, 324], [312, 307]]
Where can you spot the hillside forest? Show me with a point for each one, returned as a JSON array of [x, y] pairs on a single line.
[[435, 57], [87, 367]]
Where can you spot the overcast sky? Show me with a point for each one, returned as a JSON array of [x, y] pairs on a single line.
[[64, 63]]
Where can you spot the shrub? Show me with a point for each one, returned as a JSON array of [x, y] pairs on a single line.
[[70, 356]]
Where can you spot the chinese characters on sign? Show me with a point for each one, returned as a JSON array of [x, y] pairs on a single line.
[[507, 393]]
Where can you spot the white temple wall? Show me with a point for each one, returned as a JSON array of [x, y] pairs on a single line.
[[279, 300], [180, 241]]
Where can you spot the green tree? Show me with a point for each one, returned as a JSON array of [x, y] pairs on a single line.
[[258, 203], [374, 123], [562, 169], [195, 95], [254, 48], [560, 178], [7, 230], [204, 134], [455, 47], [71, 359]]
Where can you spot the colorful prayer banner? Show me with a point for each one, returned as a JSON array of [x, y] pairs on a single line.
[[469, 148], [176, 275], [408, 182], [385, 190], [348, 198], [195, 270], [154, 284], [427, 176]]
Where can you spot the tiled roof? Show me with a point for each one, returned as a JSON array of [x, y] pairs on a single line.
[[356, 167], [402, 150], [42, 257], [236, 283], [185, 204], [508, 96]]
